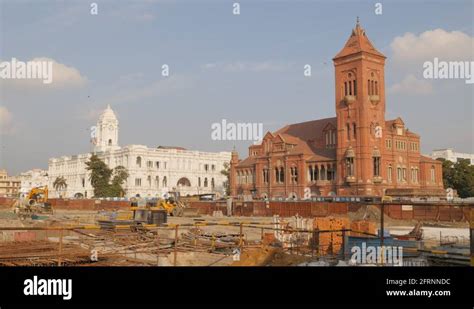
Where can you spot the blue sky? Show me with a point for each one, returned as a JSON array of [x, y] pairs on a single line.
[[245, 68]]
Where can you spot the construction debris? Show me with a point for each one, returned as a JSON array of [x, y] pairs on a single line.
[[113, 237]]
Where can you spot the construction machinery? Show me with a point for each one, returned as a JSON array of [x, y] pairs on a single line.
[[35, 202], [173, 205]]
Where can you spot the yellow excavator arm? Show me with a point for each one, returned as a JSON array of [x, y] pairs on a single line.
[[39, 194]]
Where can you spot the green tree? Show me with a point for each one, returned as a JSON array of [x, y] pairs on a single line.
[[448, 173], [106, 182], [120, 175], [60, 183], [100, 176], [226, 172], [459, 176]]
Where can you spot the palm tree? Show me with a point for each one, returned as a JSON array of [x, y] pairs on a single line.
[[59, 184]]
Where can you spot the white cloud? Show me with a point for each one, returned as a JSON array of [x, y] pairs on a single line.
[[242, 66], [411, 48], [413, 86], [6, 120], [63, 76]]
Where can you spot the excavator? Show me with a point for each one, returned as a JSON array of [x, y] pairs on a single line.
[[149, 211], [35, 202]]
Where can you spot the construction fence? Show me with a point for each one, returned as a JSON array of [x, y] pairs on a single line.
[[448, 213], [307, 209]]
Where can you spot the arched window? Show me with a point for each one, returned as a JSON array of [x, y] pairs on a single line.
[[139, 161], [110, 142], [433, 174], [372, 84], [184, 182], [265, 176], [157, 181], [282, 175], [213, 184], [205, 182], [199, 180], [389, 176], [165, 181], [350, 85], [329, 172], [376, 166], [294, 174]]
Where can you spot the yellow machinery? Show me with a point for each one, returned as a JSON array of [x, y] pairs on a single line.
[[35, 202], [172, 205]]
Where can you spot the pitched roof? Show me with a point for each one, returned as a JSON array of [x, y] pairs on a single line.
[[428, 159], [308, 130], [305, 137], [249, 161], [390, 123], [358, 42]]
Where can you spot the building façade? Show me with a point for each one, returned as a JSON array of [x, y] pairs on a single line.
[[356, 153]]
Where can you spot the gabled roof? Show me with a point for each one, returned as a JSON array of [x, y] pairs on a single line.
[[358, 42], [308, 130], [428, 159], [390, 123], [304, 137], [247, 162]]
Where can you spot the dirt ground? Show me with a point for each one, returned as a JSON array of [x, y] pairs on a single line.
[[202, 257]]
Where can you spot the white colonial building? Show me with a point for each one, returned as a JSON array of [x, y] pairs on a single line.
[[32, 179], [153, 172], [451, 155]]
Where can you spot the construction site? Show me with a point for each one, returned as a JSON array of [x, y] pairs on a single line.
[[192, 232]]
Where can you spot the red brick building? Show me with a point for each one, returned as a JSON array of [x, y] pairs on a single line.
[[356, 153]]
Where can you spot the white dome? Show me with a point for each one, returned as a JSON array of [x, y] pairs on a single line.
[[108, 114]]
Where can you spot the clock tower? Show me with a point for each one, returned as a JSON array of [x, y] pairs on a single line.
[[360, 110], [107, 131]]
